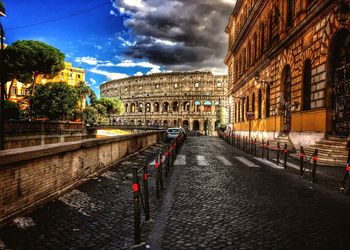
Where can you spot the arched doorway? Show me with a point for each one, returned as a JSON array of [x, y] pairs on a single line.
[[185, 124], [195, 125], [338, 82], [286, 99]]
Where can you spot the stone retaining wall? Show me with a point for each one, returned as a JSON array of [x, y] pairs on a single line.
[[33, 175]]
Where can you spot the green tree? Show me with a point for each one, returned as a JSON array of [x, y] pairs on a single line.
[[82, 90], [90, 115], [11, 110], [56, 101], [28, 57], [113, 105]]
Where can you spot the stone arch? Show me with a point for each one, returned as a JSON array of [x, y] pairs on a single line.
[[156, 107], [132, 108], [185, 124], [338, 77], [196, 125], [207, 106], [165, 107], [175, 106]]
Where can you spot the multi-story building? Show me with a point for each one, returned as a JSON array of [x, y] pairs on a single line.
[[170, 99], [17, 91], [288, 64]]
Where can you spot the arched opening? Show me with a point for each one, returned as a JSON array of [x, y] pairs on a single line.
[[175, 123], [185, 124], [286, 98], [132, 108], [195, 125], [175, 106], [148, 107], [139, 122], [156, 107], [307, 85], [207, 106], [166, 107], [239, 111], [126, 107], [242, 114], [338, 94], [156, 123], [165, 123], [132, 122], [268, 93], [186, 106]]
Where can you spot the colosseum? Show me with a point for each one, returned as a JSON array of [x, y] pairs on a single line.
[[188, 99]]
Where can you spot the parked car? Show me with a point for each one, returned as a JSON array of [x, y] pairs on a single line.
[[172, 133]]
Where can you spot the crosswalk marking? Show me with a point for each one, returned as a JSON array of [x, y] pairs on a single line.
[[247, 162], [201, 161], [224, 161], [180, 160], [269, 163]]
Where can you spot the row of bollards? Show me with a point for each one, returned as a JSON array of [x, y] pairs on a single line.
[[164, 162], [249, 145]]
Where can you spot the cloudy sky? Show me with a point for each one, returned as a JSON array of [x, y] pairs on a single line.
[[113, 39]]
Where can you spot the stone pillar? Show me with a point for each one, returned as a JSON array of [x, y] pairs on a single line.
[[190, 124]]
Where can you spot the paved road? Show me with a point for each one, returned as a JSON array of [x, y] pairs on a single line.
[[221, 199], [216, 198]]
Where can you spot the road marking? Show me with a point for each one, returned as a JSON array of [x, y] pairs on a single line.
[[201, 161], [292, 165], [268, 163], [180, 160], [247, 162], [224, 161]]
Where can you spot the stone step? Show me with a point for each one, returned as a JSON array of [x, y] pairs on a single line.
[[327, 150], [322, 161], [331, 143]]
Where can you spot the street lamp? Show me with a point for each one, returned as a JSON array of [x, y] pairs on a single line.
[[264, 82], [2, 82]]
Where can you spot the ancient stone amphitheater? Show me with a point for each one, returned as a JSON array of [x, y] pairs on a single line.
[[188, 99]]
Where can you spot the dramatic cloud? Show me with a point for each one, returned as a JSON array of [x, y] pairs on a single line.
[[109, 75], [179, 34]]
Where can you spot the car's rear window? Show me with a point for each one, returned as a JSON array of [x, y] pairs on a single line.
[[174, 130]]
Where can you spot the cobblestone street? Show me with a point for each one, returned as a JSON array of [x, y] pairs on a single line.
[[216, 198]]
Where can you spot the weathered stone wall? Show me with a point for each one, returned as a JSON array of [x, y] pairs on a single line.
[[33, 175], [20, 134]]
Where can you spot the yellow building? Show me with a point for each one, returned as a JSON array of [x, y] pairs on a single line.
[[288, 66], [17, 91]]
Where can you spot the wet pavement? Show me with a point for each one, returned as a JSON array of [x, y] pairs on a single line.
[[216, 198]]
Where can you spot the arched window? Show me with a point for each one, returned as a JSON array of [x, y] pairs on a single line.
[[307, 85], [249, 54], [244, 59], [290, 13], [156, 107], [270, 28], [247, 104], [253, 103], [255, 39], [239, 111], [235, 112], [268, 93], [243, 109], [262, 38], [259, 104]]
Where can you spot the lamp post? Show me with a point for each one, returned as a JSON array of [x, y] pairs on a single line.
[[2, 83]]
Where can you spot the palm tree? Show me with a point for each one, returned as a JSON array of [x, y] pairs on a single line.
[[83, 90]]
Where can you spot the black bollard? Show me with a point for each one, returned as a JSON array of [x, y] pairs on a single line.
[[278, 153], [161, 170], [255, 147], [268, 150], [301, 155], [262, 149], [146, 192], [157, 179], [285, 156], [137, 212], [315, 159]]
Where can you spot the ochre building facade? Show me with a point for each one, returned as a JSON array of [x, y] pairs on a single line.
[[188, 99], [289, 65]]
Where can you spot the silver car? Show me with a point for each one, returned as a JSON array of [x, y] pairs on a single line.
[[172, 133]]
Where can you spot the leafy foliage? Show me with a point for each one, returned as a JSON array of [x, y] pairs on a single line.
[[11, 110], [113, 105], [55, 101], [27, 57], [90, 115]]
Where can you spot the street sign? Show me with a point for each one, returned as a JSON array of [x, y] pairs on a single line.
[[250, 115]]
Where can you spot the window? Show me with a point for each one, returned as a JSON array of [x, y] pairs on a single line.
[[290, 13], [307, 85], [247, 105], [243, 110], [219, 84], [249, 54], [255, 46], [239, 111], [259, 104], [196, 85], [14, 90], [175, 85], [270, 28], [157, 86], [262, 39], [268, 93], [253, 103], [78, 76], [244, 59]]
